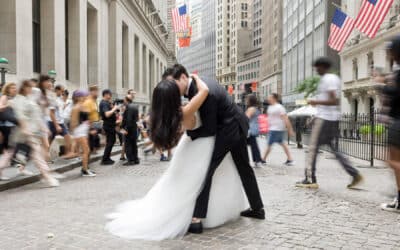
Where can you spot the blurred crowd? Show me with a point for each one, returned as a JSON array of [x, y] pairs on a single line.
[[37, 113]]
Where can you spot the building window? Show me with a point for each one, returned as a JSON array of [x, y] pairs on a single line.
[[370, 62], [66, 41], [125, 55], [36, 36], [355, 69]]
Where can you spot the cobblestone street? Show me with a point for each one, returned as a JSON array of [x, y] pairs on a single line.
[[72, 216]]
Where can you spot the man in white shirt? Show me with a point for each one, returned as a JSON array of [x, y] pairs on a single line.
[[278, 123], [326, 125], [55, 120]]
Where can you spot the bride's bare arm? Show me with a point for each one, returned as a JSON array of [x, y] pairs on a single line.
[[189, 120]]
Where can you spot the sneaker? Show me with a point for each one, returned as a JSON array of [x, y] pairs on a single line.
[[307, 184], [52, 182], [88, 173], [257, 164], [122, 159], [356, 180], [25, 172], [3, 178], [264, 163], [163, 158], [289, 163], [57, 175], [392, 207]]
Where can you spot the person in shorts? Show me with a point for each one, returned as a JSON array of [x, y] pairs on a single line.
[[278, 124]]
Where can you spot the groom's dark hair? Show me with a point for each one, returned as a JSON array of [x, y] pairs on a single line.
[[168, 72], [178, 70]]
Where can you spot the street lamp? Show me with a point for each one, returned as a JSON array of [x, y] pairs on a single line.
[[3, 69], [52, 73]]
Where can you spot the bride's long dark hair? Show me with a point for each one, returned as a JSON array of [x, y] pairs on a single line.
[[166, 115]]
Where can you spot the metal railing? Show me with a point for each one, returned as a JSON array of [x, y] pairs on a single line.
[[362, 136]]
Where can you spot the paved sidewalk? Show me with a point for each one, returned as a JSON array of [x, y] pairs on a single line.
[[333, 217]]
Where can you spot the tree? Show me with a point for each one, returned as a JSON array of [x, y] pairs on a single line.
[[308, 86]]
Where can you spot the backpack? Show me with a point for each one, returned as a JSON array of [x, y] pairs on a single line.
[[263, 124]]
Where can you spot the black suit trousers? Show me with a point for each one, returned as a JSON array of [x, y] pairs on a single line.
[[131, 145], [230, 139]]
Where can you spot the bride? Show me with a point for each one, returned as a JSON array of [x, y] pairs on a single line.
[[165, 212]]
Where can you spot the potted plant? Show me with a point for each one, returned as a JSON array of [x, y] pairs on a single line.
[[366, 132]]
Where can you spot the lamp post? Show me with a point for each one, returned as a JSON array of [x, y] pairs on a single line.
[[52, 73], [3, 69]]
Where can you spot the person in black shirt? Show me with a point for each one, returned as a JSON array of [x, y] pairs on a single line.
[[129, 128], [107, 113], [391, 92]]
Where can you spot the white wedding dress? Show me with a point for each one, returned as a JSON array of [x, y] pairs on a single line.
[[165, 212]]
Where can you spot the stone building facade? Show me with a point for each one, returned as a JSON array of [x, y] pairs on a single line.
[[117, 44], [271, 56], [361, 56], [305, 34]]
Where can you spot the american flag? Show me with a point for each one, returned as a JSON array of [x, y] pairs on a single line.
[[341, 27], [179, 18], [371, 16]]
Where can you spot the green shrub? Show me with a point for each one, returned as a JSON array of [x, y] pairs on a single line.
[[379, 129]]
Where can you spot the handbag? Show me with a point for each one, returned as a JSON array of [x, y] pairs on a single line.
[[8, 114], [21, 154]]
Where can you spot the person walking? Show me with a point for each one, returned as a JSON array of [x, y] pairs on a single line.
[[129, 128], [108, 114], [55, 119], [278, 122], [80, 125], [32, 130], [392, 92], [252, 113], [9, 91], [326, 125], [95, 124]]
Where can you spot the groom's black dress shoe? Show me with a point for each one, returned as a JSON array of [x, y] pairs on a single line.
[[196, 228], [256, 214]]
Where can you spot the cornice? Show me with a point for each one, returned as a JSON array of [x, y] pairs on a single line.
[[138, 14]]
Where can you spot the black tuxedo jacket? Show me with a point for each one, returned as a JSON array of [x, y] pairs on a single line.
[[130, 117], [217, 112]]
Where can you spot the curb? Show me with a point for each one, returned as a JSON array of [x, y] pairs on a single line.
[[14, 183]]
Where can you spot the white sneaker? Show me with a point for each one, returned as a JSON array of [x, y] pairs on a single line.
[[392, 207], [25, 172], [3, 178], [57, 175], [52, 182]]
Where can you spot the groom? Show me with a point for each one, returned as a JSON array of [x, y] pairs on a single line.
[[224, 119]]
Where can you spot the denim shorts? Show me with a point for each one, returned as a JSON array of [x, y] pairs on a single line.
[[275, 137], [53, 130]]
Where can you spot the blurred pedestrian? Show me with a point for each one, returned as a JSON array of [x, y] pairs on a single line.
[[129, 128], [252, 113], [94, 118], [326, 125], [80, 125], [67, 107], [278, 122], [392, 93], [108, 114], [8, 122], [32, 131]]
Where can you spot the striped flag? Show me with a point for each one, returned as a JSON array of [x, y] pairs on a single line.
[[179, 18], [341, 27], [371, 16]]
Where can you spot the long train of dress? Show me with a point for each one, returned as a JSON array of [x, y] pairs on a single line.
[[165, 212]]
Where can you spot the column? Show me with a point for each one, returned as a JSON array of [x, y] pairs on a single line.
[[7, 32], [77, 36], [23, 34]]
